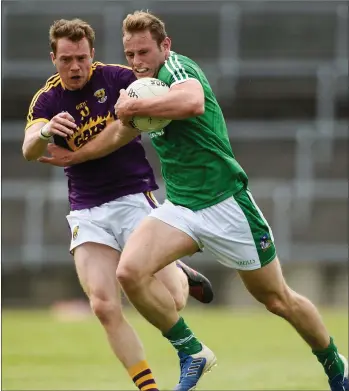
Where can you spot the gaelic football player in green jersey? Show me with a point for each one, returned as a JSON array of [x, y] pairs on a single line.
[[208, 206]]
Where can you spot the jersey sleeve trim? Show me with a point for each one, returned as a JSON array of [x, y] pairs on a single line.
[[45, 120], [53, 81], [176, 69], [183, 81], [101, 64]]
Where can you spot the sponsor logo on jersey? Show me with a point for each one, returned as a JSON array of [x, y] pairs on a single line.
[[87, 130], [157, 134], [100, 94], [81, 105]]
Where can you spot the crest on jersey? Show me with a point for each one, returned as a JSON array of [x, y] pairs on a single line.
[[100, 95], [75, 232], [265, 242]]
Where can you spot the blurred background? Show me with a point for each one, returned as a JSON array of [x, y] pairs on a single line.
[[280, 73]]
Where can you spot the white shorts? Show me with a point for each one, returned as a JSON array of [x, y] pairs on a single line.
[[110, 223], [234, 230]]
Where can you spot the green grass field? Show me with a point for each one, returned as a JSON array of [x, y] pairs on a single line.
[[255, 351]]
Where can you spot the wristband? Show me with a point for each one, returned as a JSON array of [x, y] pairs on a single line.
[[43, 135]]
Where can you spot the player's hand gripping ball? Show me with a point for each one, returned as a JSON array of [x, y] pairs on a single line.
[[148, 87]]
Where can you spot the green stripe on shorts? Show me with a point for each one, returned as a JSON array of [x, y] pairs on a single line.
[[261, 232]]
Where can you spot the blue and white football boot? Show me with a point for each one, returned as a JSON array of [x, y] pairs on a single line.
[[193, 367], [340, 382]]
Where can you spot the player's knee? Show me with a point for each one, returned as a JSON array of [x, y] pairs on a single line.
[[127, 275], [280, 303], [106, 309], [275, 305]]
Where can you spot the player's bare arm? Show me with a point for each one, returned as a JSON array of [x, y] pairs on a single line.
[[113, 137], [184, 100], [37, 135]]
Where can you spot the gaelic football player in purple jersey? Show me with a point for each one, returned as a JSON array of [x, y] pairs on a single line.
[[108, 197]]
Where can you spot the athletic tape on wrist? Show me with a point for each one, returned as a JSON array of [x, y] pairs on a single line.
[[44, 135]]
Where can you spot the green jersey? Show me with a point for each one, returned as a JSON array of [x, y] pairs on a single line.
[[197, 163]]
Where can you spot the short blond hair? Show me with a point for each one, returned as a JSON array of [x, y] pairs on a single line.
[[75, 30], [144, 20]]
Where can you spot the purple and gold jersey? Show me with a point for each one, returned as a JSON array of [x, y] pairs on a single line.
[[125, 171]]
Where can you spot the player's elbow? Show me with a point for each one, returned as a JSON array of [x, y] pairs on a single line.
[[28, 153], [199, 109], [196, 108], [29, 158]]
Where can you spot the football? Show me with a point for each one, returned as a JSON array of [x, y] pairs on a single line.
[[148, 87]]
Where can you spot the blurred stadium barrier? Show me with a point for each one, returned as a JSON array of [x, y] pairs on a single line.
[[280, 73]]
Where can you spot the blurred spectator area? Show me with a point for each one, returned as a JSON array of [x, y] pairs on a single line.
[[280, 73], [265, 60]]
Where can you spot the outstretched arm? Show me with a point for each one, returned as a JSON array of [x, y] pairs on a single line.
[[113, 137]]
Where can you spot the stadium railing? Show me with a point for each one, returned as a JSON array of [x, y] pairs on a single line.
[[315, 140]]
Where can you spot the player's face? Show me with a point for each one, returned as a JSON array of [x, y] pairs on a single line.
[[73, 62], [143, 53]]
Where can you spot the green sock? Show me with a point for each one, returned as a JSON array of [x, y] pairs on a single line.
[[330, 360], [183, 339]]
